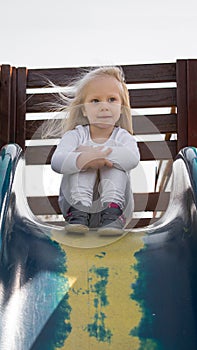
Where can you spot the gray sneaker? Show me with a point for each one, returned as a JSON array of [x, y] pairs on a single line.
[[112, 221], [77, 220]]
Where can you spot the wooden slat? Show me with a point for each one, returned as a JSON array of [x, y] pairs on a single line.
[[41, 102], [142, 73], [155, 124], [192, 102], [150, 73], [39, 155], [5, 98], [182, 120], [151, 150], [139, 98], [157, 150], [12, 131], [151, 201], [34, 128], [44, 205], [39, 78], [137, 223], [148, 98], [143, 202], [21, 106], [142, 125]]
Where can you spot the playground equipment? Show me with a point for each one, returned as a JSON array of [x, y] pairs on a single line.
[[168, 88], [67, 292], [135, 292]]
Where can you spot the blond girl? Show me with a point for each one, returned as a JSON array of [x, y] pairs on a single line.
[[97, 148]]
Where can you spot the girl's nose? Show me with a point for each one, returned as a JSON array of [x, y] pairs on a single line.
[[104, 106]]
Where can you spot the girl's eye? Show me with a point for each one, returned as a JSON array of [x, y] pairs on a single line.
[[95, 100], [112, 99]]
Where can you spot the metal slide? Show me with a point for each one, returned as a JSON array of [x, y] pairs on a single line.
[[60, 291]]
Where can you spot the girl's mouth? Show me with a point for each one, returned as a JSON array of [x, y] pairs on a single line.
[[104, 116]]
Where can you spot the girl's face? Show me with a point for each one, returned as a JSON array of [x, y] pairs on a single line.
[[102, 103]]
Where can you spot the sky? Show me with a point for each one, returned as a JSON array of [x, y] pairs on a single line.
[[65, 33]]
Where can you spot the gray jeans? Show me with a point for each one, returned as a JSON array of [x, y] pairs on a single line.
[[111, 187]]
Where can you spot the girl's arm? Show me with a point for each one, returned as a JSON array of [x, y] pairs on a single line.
[[93, 157], [126, 154], [69, 157], [64, 158]]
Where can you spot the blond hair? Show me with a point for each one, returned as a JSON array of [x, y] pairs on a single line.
[[71, 102]]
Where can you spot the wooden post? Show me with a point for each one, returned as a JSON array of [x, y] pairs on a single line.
[[192, 101], [12, 131], [182, 118], [21, 79], [5, 96]]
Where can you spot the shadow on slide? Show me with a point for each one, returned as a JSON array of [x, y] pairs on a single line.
[[138, 291]]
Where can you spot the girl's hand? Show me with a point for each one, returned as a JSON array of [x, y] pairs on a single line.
[[93, 157]]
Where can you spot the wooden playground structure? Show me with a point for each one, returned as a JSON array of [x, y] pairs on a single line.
[[168, 86], [134, 292]]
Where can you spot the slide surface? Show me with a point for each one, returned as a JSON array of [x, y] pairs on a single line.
[[135, 292]]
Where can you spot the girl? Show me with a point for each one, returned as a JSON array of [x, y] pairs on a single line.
[[97, 147]]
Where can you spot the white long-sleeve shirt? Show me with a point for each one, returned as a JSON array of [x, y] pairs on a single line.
[[125, 155]]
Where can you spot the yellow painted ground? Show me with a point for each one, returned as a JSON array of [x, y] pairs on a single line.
[[103, 313]]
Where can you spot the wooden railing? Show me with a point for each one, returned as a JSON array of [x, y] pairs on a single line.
[[172, 94]]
